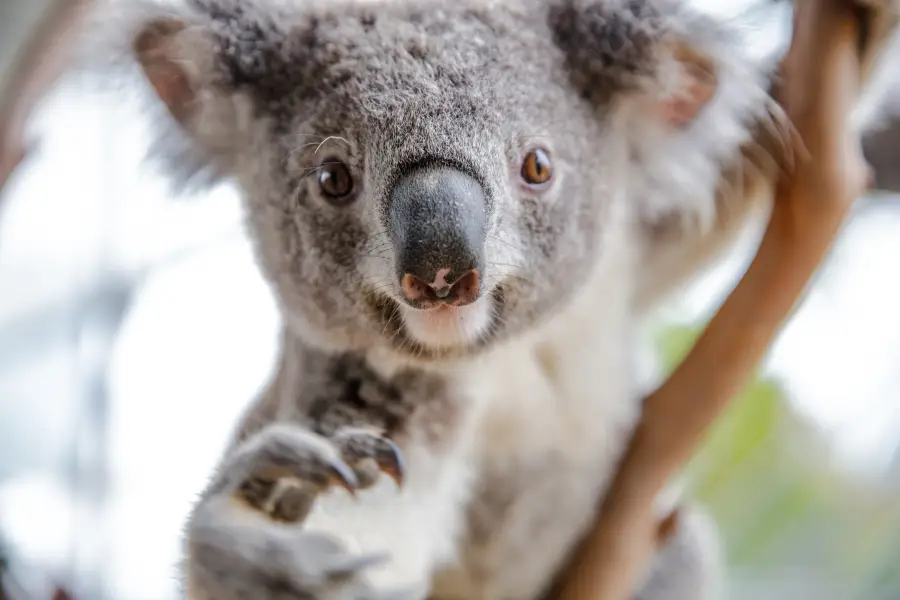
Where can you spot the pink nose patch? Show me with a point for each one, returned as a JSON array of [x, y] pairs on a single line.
[[440, 280]]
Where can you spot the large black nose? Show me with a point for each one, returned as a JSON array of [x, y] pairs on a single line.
[[437, 219]]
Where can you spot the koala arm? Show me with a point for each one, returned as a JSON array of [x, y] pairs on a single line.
[[242, 537], [240, 542]]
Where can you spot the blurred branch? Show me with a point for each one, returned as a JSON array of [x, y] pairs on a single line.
[[39, 64], [819, 88]]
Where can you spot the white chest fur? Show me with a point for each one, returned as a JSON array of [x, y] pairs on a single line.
[[557, 411], [416, 526]]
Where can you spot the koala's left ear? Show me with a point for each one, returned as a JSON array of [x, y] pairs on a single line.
[[622, 52]]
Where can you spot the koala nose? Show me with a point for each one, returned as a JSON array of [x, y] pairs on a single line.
[[437, 221], [456, 293]]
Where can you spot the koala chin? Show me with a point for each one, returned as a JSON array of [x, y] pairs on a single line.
[[449, 326]]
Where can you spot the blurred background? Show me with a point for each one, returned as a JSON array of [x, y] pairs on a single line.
[[134, 327]]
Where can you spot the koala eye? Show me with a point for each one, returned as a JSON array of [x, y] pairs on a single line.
[[335, 180], [536, 168]]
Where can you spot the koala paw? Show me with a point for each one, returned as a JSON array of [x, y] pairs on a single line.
[[370, 454], [231, 558], [283, 468]]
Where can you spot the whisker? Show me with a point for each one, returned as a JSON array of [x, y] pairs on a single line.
[[306, 171], [380, 246], [506, 243], [303, 135], [330, 137], [394, 312], [373, 236], [382, 288], [500, 276], [307, 135], [370, 281], [396, 334], [499, 264], [378, 256]]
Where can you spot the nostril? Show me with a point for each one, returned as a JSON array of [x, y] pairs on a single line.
[[465, 289], [414, 289]]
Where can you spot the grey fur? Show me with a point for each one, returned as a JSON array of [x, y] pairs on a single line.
[[690, 561], [511, 425]]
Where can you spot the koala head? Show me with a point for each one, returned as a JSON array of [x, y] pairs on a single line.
[[429, 177]]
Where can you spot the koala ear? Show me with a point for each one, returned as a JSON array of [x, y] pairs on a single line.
[[626, 54], [180, 58], [686, 100], [172, 58], [196, 116], [693, 83]]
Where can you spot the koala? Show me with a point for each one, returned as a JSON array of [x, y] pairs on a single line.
[[464, 209]]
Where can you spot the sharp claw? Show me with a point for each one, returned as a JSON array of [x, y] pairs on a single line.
[[358, 445], [343, 476], [390, 461], [395, 474]]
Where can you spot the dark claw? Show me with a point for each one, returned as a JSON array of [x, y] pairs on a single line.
[[343, 476], [390, 461], [358, 445]]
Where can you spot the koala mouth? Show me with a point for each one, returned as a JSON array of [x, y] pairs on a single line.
[[446, 325], [440, 332]]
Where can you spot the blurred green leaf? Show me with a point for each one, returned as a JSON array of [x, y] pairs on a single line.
[[767, 477]]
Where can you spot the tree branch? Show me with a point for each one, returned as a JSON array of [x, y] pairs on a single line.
[[38, 66], [821, 77]]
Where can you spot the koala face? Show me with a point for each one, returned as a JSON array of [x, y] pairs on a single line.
[[421, 177]]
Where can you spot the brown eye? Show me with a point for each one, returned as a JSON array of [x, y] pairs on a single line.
[[536, 169], [335, 180]]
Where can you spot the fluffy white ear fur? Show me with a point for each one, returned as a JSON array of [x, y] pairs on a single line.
[[691, 87], [168, 55], [687, 212], [690, 212]]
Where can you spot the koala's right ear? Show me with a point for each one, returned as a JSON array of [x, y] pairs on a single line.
[[198, 118], [177, 62]]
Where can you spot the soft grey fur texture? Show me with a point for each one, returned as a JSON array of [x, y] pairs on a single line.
[[511, 414]]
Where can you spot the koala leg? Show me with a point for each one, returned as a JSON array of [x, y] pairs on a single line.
[[245, 536], [688, 566]]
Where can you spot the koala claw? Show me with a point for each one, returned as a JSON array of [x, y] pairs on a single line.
[[370, 453], [280, 471]]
